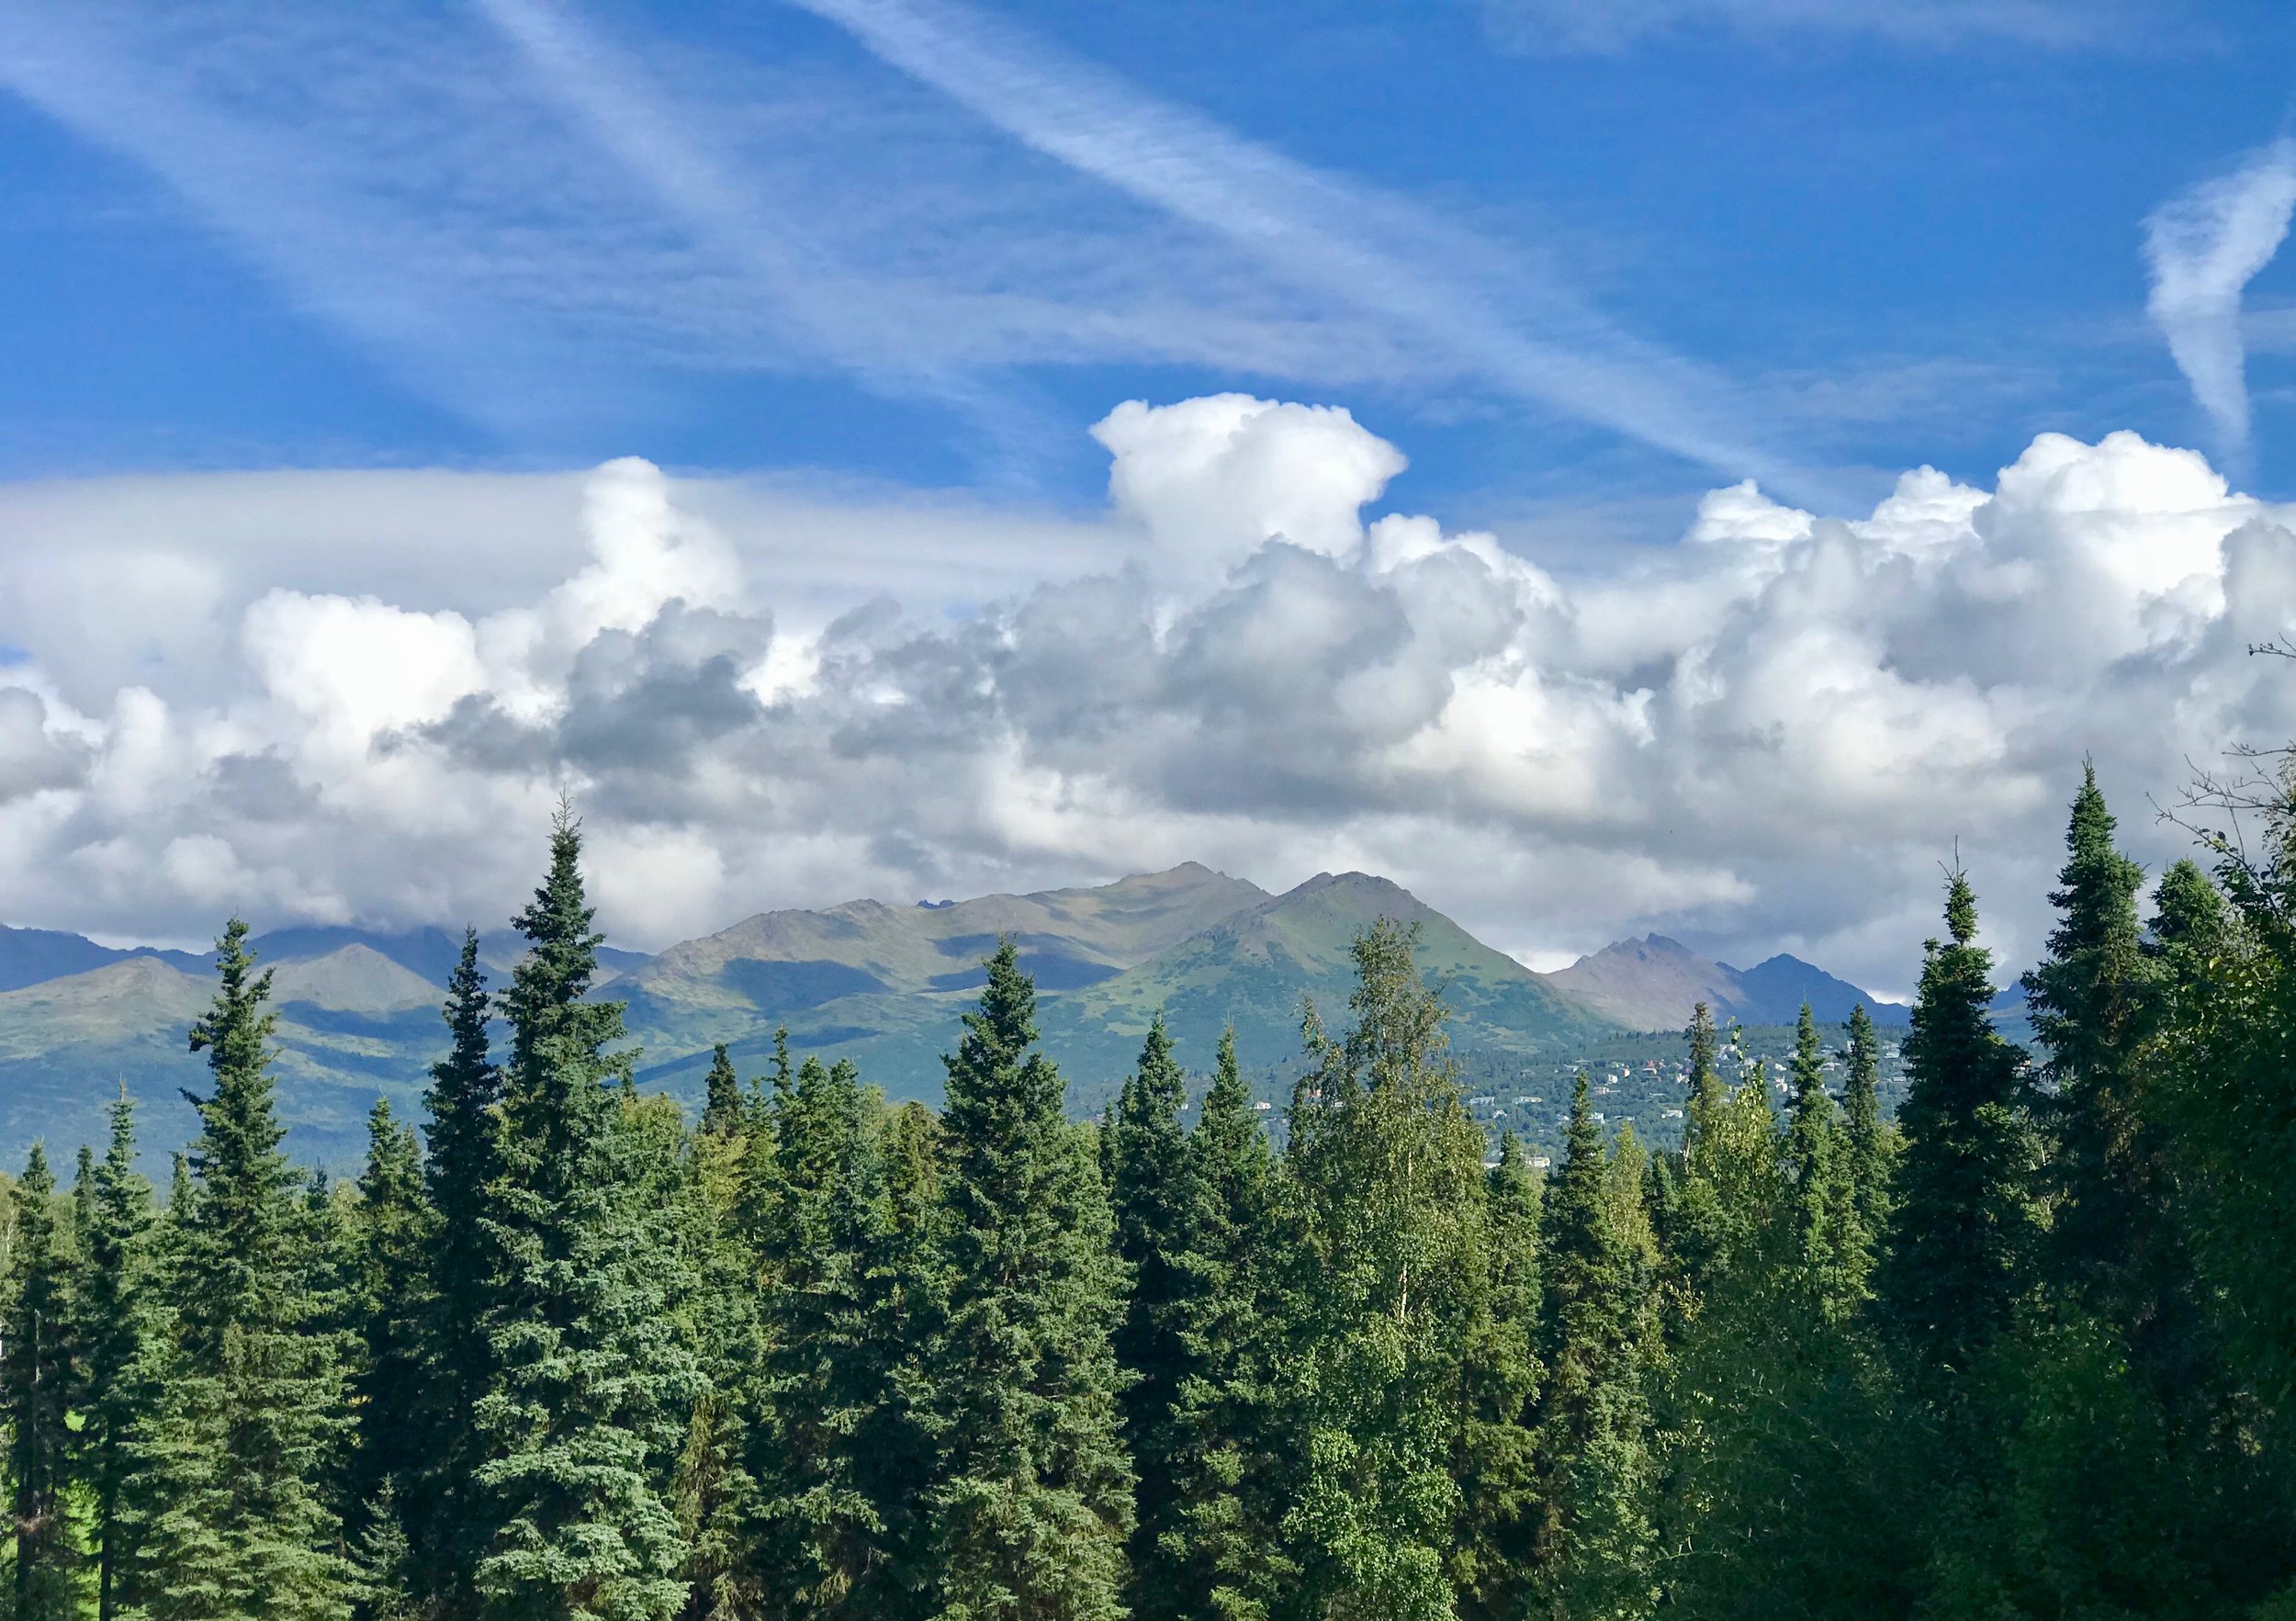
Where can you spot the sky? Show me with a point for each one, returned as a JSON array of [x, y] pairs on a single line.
[[1690, 466]]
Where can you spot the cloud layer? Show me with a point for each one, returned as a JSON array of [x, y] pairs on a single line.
[[1764, 736]]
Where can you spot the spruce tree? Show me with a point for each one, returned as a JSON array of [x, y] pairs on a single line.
[[2088, 998], [1495, 1546], [1033, 1505], [1154, 1190], [389, 1311], [1865, 1139], [36, 1380], [230, 1514], [1826, 1246], [721, 1096], [1969, 1223], [1703, 1075], [837, 1456], [464, 1267], [1217, 1561], [1597, 1540], [585, 1410], [114, 1329]]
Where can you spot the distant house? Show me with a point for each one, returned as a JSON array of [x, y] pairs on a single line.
[[1262, 1108], [1539, 1162], [1669, 1114]]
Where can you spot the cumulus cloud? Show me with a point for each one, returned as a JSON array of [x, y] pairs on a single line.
[[1763, 737], [2202, 248]]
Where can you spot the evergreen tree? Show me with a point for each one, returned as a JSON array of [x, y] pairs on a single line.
[[1033, 1503], [389, 1311], [1217, 1561], [1598, 1540], [113, 1329], [721, 1092], [1495, 1546], [1707, 1092], [464, 1267], [1825, 1242], [36, 1383], [584, 1412], [1865, 1139], [229, 1513], [838, 1456], [2088, 998], [1154, 1190], [1969, 1223]]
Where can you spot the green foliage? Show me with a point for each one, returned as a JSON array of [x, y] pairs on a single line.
[[462, 1268], [36, 1387], [585, 1408], [1969, 1221], [225, 1504], [115, 1324], [1216, 1557], [388, 1307], [2026, 1357], [1598, 1542], [1032, 1507], [1386, 1234], [1156, 1196]]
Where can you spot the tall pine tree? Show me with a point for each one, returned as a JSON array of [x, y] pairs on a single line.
[[1033, 1505], [387, 1306], [1153, 1188], [1598, 1538], [1968, 1220], [231, 1464], [35, 1384], [1217, 1561], [464, 1267], [584, 1412], [114, 1326]]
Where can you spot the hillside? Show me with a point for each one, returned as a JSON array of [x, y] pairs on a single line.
[[1255, 970], [884, 985]]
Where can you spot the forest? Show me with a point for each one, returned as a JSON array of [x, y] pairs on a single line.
[[2028, 1349]]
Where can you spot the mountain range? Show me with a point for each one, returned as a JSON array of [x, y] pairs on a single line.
[[1653, 982], [883, 984]]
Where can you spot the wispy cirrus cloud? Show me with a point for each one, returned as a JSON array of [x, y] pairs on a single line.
[[2203, 247], [1572, 26], [525, 208], [1508, 318]]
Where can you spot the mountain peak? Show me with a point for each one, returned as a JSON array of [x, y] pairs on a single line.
[[1655, 982]]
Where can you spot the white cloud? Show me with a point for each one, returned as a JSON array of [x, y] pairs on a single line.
[[2202, 248], [1763, 737], [1214, 479]]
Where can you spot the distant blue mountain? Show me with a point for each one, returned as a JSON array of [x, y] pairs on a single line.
[[1653, 982], [33, 956], [1776, 990]]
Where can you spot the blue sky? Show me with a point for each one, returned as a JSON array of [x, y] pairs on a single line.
[[531, 235], [922, 447]]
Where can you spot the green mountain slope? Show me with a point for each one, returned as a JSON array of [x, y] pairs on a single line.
[[884, 985], [1257, 969]]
